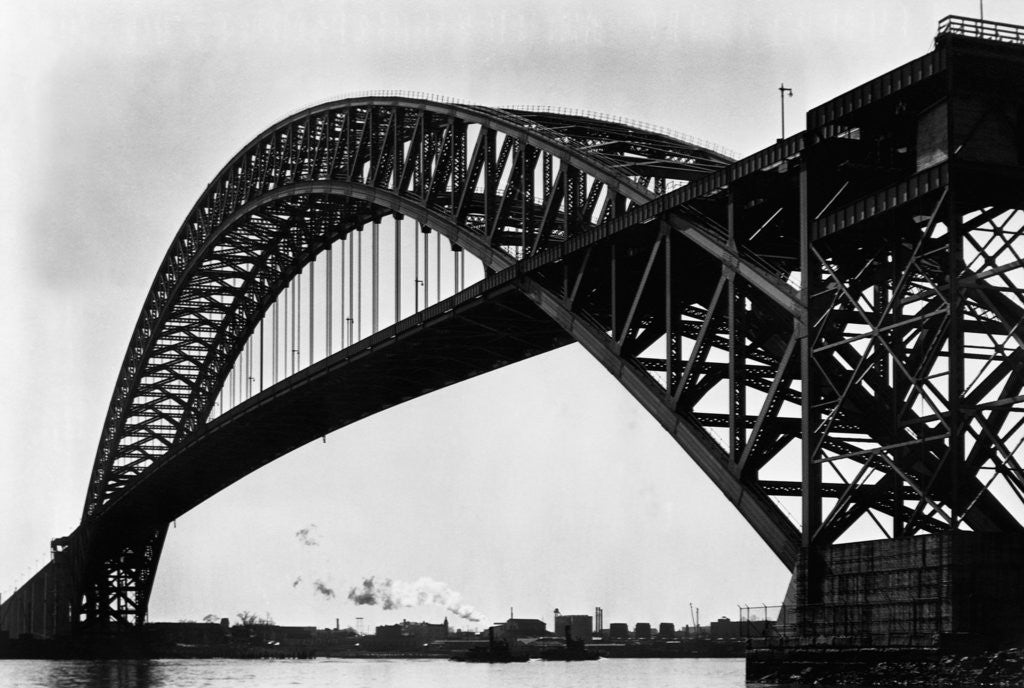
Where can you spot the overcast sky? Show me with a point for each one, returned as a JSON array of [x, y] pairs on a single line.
[[538, 486]]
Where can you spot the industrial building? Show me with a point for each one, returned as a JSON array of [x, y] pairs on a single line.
[[618, 631], [517, 629], [744, 628], [406, 636], [581, 626]]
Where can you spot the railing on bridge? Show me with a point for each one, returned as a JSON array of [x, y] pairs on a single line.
[[981, 28]]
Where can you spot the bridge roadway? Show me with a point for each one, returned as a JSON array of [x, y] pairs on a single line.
[[506, 318], [137, 487], [487, 326]]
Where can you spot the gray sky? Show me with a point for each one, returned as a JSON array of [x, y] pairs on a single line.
[[540, 486]]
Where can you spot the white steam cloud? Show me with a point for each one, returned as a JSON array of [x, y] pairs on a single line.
[[396, 594], [307, 535]]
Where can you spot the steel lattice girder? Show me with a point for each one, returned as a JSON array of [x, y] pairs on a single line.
[[314, 178], [360, 143], [684, 295]]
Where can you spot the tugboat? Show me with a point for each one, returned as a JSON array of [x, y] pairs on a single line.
[[574, 650], [494, 652]]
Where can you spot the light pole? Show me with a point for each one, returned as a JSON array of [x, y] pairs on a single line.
[[783, 91]]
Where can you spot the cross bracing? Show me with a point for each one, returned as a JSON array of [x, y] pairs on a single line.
[[829, 328], [499, 185], [242, 243]]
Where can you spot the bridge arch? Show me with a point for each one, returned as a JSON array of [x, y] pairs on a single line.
[[837, 296], [692, 316], [501, 185]]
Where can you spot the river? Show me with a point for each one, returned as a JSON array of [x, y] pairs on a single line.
[[370, 673]]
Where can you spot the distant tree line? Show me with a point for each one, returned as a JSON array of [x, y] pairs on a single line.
[[245, 618]]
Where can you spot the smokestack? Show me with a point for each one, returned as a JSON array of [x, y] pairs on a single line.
[[337, 624]]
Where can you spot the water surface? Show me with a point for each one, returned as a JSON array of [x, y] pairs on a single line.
[[371, 673]]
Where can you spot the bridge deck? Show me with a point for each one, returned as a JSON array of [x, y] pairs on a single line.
[[486, 327]]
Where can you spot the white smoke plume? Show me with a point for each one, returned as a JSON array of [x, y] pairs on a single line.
[[322, 588], [319, 587], [307, 535], [396, 594]]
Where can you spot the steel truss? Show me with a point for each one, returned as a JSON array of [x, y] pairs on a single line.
[[501, 184], [833, 321], [915, 358]]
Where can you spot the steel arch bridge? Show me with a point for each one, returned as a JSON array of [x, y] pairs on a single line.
[[500, 185], [830, 324]]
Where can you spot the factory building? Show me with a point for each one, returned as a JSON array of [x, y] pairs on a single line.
[[618, 631], [407, 635], [581, 626], [515, 629], [726, 628]]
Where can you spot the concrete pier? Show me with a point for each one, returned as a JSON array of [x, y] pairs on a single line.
[[908, 592]]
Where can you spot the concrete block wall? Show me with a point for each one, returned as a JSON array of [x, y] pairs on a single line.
[[912, 591], [988, 584]]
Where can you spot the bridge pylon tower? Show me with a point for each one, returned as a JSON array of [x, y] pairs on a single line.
[[910, 247]]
